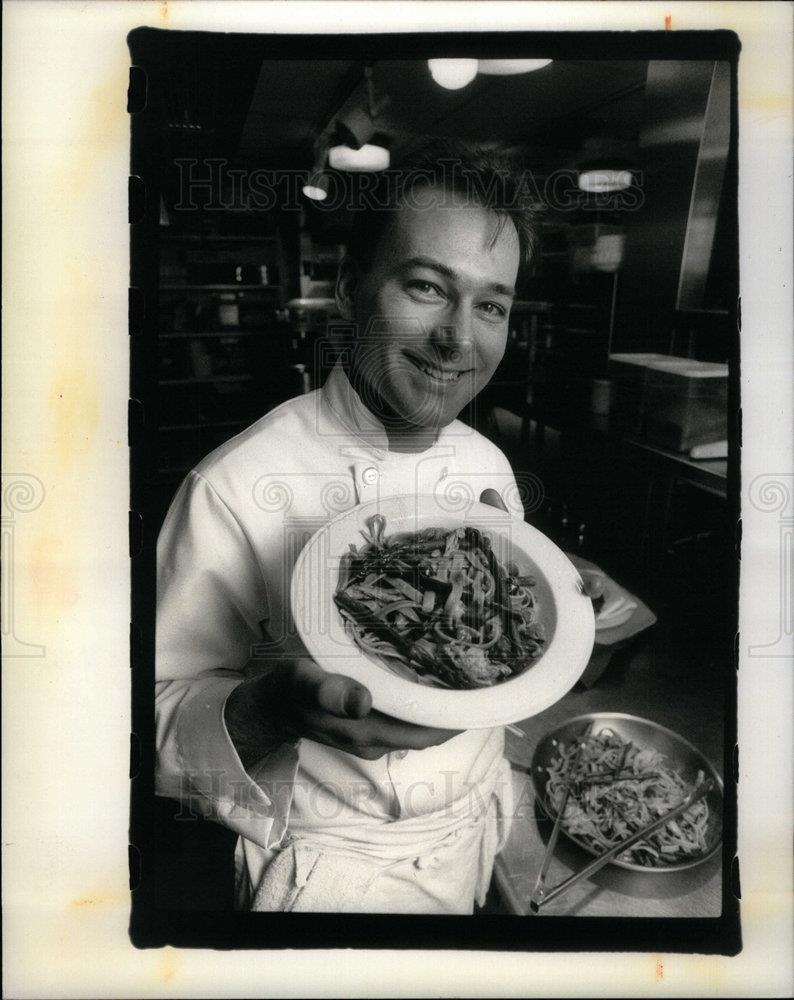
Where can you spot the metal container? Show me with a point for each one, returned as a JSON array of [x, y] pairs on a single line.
[[674, 403], [628, 374], [686, 403], [680, 753]]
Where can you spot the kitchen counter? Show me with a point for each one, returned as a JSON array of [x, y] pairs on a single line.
[[671, 679]]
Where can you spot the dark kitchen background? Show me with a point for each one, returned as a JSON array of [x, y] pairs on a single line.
[[614, 387]]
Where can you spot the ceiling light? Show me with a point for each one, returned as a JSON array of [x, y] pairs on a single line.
[[452, 74], [510, 67], [355, 128], [317, 187], [605, 165], [368, 157], [344, 144], [602, 180]]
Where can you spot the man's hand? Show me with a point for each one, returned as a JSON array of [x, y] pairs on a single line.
[[593, 580], [299, 699]]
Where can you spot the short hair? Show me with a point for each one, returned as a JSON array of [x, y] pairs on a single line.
[[471, 174]]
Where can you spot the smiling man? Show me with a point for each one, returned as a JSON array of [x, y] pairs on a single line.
[[339, 807], [429, 282]]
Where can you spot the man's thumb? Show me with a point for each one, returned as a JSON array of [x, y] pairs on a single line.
[[344, 697], [492, 498]]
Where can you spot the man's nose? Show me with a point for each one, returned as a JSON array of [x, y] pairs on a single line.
[[453, 337]]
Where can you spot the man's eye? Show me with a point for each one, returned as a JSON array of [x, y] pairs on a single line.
[[426, 288], [493, 309]]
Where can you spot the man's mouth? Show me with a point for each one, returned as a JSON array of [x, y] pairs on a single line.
[[445, 375]]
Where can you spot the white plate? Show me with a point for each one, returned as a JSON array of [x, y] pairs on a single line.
[[566, 613]]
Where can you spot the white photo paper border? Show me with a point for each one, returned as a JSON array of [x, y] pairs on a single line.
[[66, 684]]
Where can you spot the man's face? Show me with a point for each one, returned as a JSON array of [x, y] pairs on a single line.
[[432, 311]]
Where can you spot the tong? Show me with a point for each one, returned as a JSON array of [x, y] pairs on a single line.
[[541, 896], [539, 891]]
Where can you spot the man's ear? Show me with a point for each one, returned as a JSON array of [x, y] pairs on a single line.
[[347, 280]]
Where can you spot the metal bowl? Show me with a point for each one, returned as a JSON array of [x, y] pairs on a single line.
[[680, 753]]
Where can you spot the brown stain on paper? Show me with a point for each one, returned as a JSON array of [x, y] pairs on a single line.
[[767, 105], [52, 582], [73, 399], [659, 973], [98, 900], [168, 965], [75, 350], [70, 440], [73, 403], [103, 131]]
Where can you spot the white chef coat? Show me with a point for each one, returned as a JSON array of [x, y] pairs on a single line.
[[414, 831]]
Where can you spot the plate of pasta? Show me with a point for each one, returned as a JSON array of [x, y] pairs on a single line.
[[468, 619], [623, 772]]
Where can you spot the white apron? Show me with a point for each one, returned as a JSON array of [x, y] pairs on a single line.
[[440, 862]]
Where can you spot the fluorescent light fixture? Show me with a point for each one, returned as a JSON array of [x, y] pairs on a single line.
[[317, 187], [602, 180], [511, 67], [452, 74], [368, 157]]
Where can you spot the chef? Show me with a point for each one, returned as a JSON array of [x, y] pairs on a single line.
[[339, 807]]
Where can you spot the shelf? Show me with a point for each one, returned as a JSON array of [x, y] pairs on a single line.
[[213, 238], [186, 335], [220, 288], [206, 381], [208, 425]]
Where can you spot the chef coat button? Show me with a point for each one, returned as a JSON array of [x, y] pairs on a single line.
[[370, 476]]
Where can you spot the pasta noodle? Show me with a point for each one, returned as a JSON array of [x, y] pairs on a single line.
[[436, 606], [618, 788]]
